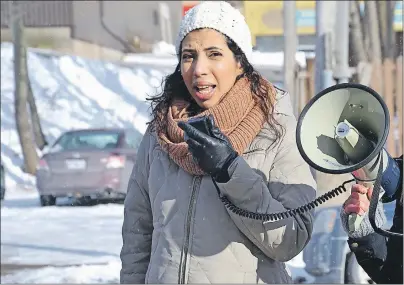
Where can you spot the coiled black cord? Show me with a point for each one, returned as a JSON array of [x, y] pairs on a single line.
[[373, 205], [286, 214]]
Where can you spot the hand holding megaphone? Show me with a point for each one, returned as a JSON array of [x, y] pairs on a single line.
[[359, 201]]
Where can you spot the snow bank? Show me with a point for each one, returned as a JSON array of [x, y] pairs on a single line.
[[71, 93], [83, 274], [163, 48]]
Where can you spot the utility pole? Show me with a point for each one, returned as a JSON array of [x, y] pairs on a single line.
[[341, 71], [390, 41], [325, 31], [290, 47], [21, 91], [324, 23], [376, 54]]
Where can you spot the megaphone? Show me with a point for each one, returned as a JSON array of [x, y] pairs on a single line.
[[343, 129]]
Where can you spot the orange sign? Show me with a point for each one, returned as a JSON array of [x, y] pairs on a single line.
[[186, 5]]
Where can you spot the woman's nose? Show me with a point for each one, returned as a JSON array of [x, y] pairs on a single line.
[[200, 66]]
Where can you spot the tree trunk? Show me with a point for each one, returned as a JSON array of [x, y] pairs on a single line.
[[40, 139], [366, 29], [21, 95], [376, 56], [390, 34], [356, 35], [382, 20], [373, 30]]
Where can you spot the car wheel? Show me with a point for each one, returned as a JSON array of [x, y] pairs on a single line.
[[84, 201], [354, 273], [47, 200], [3, 192]]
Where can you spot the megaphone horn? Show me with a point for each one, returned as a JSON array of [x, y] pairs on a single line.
[[343, 129]]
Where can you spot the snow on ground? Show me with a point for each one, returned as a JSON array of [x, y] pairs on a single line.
[[83, 274], [60, 235], [69, 243]]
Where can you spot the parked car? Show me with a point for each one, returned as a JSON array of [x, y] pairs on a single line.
[[89, 163], [327, 257], [2, 182]]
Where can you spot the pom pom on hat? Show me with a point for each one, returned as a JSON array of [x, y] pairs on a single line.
[[220, 16]]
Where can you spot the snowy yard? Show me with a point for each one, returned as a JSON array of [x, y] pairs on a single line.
[[69, 243]]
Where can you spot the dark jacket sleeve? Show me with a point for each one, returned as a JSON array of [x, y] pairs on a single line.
[[370, 252], [381, 257]]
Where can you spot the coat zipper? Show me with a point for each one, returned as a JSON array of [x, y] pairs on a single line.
[[183, 262]]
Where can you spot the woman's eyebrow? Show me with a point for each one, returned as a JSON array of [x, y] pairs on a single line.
[[206, 49], [188, 50], [212, 48]]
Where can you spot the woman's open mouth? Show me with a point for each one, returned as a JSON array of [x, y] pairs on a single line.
[[204, 92]]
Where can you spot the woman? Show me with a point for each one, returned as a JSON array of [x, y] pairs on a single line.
[[176, 229], [380, 257]]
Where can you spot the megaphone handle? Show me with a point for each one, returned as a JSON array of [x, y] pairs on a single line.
[[354, 220]]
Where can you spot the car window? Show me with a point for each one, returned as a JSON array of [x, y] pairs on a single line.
[[324, 221], [2, 182], [132, 138], [87, 140]]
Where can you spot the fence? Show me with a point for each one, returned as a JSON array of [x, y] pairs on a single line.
[[390, 86]]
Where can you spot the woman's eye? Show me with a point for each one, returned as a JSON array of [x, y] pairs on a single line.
[[215, 54], [186, 56]]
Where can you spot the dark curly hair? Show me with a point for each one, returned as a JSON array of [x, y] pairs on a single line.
[[174, 88]]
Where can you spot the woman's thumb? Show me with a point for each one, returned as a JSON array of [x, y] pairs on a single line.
[[211, 122]]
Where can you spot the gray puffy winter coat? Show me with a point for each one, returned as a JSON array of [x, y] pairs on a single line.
[[176, 230]]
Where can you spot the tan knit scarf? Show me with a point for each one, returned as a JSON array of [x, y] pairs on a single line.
[[237, 116]]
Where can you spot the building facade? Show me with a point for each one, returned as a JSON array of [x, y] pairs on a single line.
[[125, 26], [265, 19]]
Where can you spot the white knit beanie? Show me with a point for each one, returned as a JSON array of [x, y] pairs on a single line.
[[221, 16]]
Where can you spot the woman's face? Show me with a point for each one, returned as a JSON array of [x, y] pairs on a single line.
[[208, 66]]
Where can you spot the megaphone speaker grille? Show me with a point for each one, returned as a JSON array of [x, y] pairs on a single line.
[[342, 128]]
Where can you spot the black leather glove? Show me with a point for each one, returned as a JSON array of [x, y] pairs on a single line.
[[214, 154]]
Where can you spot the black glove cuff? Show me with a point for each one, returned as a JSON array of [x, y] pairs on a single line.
[[370, 246], [223, 175]]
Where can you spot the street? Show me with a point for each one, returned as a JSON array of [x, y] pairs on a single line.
[[61, 244]]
